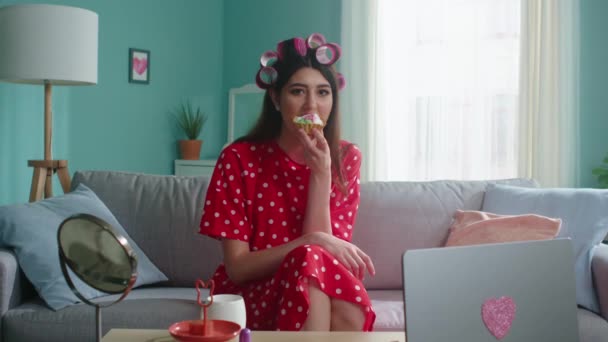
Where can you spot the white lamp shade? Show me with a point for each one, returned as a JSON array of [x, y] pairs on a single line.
[[56, 44]]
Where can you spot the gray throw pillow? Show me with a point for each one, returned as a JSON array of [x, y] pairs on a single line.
[[31, 231]]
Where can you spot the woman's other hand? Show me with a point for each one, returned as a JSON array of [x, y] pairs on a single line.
[[349, 255], [316, 152]]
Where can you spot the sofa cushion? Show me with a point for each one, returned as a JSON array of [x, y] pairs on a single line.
[[143, 308], [591, 327], [31, 231], [162, 213], [584, 215], [396, 216], [473, 227], [388, 306]]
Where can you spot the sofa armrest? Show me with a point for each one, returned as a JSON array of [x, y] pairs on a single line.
[[10, 281], [599, 266]]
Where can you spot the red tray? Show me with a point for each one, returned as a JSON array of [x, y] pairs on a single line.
[[198, 331]]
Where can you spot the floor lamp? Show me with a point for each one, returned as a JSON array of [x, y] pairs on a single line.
[[49, 45]]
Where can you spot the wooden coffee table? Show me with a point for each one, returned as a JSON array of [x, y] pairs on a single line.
[[145, 335]]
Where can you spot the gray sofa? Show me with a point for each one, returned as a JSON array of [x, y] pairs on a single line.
[[161, 213]]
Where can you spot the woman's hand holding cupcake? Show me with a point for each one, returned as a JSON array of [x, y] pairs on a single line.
[[316, 152]]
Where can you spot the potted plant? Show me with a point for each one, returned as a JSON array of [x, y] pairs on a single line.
[[601, 173], [191, 121]]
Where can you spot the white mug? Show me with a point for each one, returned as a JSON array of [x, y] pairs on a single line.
[[227, 307]]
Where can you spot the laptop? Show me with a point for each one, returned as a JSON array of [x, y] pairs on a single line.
[[520, 291]]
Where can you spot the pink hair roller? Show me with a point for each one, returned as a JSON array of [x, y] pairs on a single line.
[[341, 81], [326, 54], [315, 40], [300, 46], [266, 77], [268, 58]]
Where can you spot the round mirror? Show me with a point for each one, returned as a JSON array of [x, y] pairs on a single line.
[[97, 254]]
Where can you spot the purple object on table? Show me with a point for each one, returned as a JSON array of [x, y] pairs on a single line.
[[245, 335]]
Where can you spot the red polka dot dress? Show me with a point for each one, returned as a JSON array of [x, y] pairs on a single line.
[[257, 194]]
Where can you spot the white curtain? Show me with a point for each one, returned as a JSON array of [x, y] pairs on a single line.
[[549, 108], [357, 101], [434, 88]]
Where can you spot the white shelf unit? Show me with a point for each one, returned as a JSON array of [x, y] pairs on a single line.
[[194, 167]]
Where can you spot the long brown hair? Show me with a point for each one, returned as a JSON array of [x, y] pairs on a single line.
[[268, 125]]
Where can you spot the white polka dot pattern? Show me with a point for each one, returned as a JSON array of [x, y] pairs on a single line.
[[266, 208], [342, 205]]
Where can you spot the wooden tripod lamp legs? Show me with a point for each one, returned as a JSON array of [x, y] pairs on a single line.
[[44, 169], [43, 172]]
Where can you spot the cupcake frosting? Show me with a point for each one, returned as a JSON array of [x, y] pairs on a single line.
[[312, 118]]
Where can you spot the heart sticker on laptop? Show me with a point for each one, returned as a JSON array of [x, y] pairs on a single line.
[[498, 315]]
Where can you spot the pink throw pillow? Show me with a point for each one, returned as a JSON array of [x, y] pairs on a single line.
[[478, 227]]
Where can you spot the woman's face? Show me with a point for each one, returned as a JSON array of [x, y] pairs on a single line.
[[306, 92]]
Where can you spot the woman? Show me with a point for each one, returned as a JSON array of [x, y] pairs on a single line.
[[283, 203]]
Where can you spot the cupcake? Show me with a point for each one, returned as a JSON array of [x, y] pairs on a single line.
[[308, 122]]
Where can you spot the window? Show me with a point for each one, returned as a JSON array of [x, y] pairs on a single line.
[[447, 89]]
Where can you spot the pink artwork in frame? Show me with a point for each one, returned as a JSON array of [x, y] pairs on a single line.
[[139, 66]]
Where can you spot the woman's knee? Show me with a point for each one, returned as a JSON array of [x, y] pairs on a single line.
[[346, 316]]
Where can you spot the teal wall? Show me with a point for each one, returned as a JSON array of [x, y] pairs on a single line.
[[593, 97], [116, 125], [253, 27], [200, 49]]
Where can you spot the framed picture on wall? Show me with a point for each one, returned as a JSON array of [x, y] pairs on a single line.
[[139, 66]]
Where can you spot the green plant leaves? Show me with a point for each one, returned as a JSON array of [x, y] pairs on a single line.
[[602, 173], [190, 120]]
